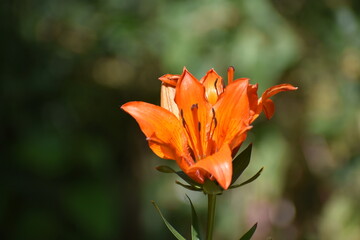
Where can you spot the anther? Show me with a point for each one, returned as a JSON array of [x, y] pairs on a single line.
[[194, 106], [194, 111], [213, 123], [214, 116], [182, 117]]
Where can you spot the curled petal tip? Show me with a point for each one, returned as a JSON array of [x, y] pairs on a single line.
[[291, 87], [163, 77], [169, 79], [122, 107]]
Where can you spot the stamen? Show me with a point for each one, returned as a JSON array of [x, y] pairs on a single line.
[[213, 124], [182, 118], [215, 85], [194, 111], [231, 71], [211, 145], [197, 128], [214, 117], [194, 106], [187, 129]]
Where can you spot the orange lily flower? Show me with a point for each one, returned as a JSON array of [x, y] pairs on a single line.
[[201, 124]]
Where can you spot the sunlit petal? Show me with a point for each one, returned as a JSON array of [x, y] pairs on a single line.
[[163, 130], [219, 165], [194, 111], [232, 113]]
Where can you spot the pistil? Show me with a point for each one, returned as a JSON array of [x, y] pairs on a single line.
[[210, 143], [231, 71]]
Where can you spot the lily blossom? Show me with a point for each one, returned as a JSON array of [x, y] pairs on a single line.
[[201, 124]]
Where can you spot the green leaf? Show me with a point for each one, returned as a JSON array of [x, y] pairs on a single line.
[[195, 229], [240, 163], [189, 187], [165, 169], [249, 180], [187, 179], [168, 225], [248, 234], [181, 174]]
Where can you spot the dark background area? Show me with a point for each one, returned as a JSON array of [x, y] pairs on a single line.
[[74, 166]]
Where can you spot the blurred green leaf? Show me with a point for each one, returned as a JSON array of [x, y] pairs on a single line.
[[42, 152], [38, 223], [168, 225]]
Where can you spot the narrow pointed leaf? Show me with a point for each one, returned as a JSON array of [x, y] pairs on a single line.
[[195, 229], [240, 163], [249, 180], [189, 187], [181, 174], [248, 234], [168, 225], [165, 169]]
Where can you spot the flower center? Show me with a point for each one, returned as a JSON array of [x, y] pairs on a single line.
[[200, 132]]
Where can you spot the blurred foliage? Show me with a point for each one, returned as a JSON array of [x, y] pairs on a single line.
[[75, 167]]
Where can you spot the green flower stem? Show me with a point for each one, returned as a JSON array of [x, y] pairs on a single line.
[[211, 216]]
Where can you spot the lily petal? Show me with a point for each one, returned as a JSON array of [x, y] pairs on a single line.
[[255, 110], [268, 107], [219, 165], [266, 104], [167, 96], [194, 111], [213, 84], [163, 130], [232, 113]]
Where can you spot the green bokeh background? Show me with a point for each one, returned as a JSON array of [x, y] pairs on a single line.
[[74, 166]]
